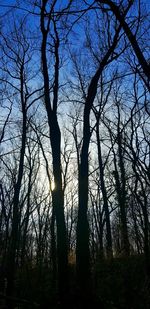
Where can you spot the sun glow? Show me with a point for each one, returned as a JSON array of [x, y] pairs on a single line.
[[52, 185]]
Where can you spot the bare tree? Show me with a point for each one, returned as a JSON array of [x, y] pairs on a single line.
[[118, 11], [55, 136]]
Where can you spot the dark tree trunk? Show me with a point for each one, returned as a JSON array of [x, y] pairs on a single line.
[[82, 252], [125, 248], [105, 198], [82, 246], [26, 219], [58, 204], [11, 264], [144, 209], [55, 140], [53, 249]]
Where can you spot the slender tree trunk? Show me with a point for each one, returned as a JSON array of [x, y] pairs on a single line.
[[55, 140], [26, 223], [53, 249], [125, 248], [104, 194], [82, 251], [82, 246], [11, 264], [145, 228]]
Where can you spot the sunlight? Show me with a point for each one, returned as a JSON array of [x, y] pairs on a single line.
[[52, 185]]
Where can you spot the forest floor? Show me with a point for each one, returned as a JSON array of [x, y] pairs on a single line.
[[119, 284]]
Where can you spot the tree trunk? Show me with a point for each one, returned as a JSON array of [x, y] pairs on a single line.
[[11, 264], [105, 199], [82, 246], [55, 141]]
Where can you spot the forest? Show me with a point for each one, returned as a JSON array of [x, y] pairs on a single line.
[[75, 154]]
